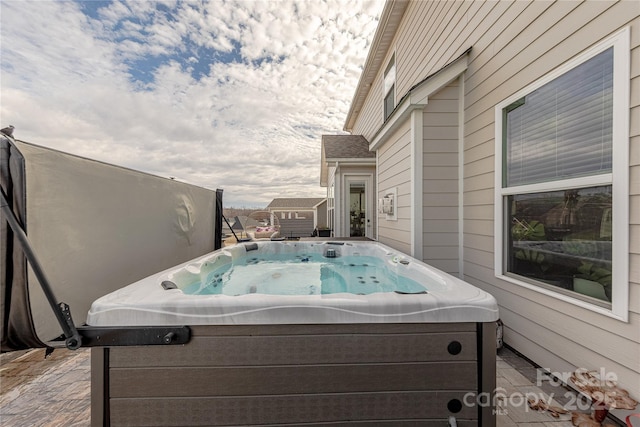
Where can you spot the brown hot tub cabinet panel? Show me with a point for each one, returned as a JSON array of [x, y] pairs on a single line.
[[400, 374]]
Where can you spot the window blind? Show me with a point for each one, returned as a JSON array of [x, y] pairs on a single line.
[[390, 75], [564, 128]]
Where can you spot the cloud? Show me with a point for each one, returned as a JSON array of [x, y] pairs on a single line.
[[221, 94]]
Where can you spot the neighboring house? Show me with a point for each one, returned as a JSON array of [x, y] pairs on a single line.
[[348, 170], [298, 217], [507, 139]]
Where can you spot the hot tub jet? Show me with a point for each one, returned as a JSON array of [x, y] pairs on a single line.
[[331, 253]]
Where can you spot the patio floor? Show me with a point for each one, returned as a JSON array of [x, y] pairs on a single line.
[[56, 391]]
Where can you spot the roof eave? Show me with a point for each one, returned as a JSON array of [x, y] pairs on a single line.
[[388, 25], [354, 160]]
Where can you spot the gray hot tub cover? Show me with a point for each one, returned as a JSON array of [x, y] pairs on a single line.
[[17, 330]]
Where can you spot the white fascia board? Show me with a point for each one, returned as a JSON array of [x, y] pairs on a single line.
[[400, 115], [432, 85], [319, 203], [354, 161]]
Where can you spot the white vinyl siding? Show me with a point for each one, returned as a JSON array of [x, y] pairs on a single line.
[[394, 171], [440, 178], [515, 44]]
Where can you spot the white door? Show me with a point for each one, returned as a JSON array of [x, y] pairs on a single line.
[[358, 206]]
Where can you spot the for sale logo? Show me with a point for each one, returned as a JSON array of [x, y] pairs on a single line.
[[501, 401]]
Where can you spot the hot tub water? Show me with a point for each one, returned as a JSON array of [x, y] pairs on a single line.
[[303, 274]]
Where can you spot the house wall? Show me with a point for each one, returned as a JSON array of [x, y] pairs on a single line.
[[514, 44], [394, 171], [523, 44], [440, 180]]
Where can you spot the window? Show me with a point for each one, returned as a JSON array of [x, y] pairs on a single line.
[[389, 87], [562, 186]]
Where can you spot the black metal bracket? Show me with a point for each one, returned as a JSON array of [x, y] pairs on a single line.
[[229, 225], [105, 336]]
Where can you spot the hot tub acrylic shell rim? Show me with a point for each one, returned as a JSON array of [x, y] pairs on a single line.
[[146, 302]]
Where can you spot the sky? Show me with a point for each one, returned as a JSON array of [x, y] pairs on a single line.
[[220, 94]]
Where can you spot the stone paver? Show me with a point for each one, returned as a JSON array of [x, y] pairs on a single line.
[[55, 391]]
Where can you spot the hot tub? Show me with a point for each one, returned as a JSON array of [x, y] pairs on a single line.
[[299, 332], [382, 286]]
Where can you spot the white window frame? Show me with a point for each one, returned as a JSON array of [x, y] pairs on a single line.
[[392, 87], [618, 179], [331, 199]]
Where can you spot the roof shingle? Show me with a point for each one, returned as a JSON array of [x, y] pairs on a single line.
[[346, 147]]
